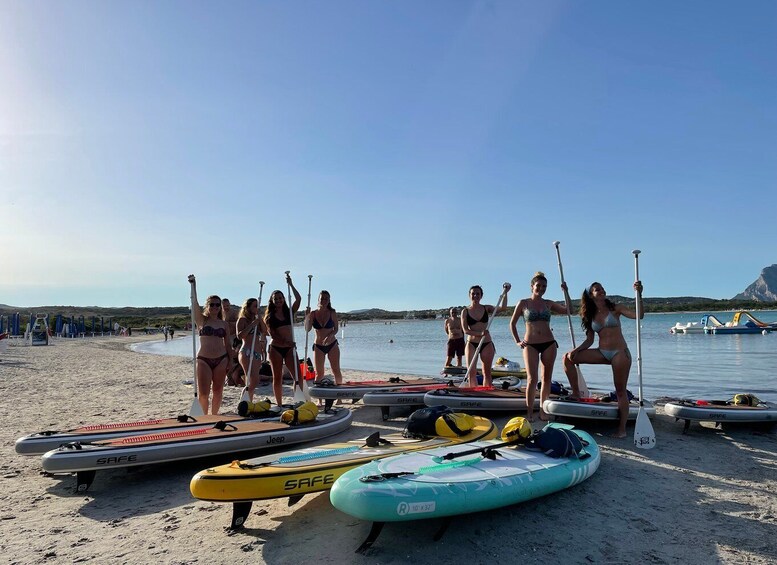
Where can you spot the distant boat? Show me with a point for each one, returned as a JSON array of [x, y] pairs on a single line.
[[752, 326], [708, 321]]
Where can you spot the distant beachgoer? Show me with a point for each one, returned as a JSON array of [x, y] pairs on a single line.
[[213, 354], [455, 345], [249, 355], [278, 319], [324, 321], [599, 315], [171, 330], [538, 343], [474, 319], [164, 331]]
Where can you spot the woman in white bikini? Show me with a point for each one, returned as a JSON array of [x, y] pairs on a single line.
[[248, 323], [538, 343], [277, 317], [474, 319], [212, 356], [324, 321], [602, 317]]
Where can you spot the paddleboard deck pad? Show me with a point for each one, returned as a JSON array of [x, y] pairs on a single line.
[[479, 398], [41, 442], [225, 437], [720, 411], [302, 471], [431, 484], [593, 408]]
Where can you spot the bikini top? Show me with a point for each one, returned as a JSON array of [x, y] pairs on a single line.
[[275, 323], [609, 322], [330, 323], [210, 331], [537, 315], [483, 320]]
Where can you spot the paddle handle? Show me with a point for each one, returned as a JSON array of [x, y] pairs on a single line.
[[253, 341], [193, 297], [582, 385], [307, 332], [638, 309]]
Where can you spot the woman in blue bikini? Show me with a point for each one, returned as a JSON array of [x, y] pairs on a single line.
[[212, 356], [538, 343], [601, 316], [277, 317], [324, 321], [251, 351]]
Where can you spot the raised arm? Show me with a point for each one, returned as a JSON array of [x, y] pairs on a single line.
[[628, 312], [199, 319], [297, 297]]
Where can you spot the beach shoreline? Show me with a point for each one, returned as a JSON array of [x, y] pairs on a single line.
[[708, 496]]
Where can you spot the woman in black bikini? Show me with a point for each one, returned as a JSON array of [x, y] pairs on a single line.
[[212, 356], [277, 317], [474, 319], [538, 343], [250, 353], [324, 321]]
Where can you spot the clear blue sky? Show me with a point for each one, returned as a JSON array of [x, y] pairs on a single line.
[[399, 151]]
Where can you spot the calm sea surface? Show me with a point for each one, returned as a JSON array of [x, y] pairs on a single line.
[[693, 365]]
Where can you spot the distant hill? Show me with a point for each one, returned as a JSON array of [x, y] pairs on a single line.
[[764, 289]]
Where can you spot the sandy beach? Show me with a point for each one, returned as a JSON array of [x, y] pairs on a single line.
[[709, 496]]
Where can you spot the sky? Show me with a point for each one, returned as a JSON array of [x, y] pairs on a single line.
[[398, 151]]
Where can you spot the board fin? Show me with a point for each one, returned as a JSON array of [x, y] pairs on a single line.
[[240, 512], [371, 537]]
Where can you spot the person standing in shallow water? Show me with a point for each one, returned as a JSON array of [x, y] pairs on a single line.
[[538, 344], [600, 316], [474, 320], [455, 345]]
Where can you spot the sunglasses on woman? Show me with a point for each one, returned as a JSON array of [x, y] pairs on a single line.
[[214, 304]]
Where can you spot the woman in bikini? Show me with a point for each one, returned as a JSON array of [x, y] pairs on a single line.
[[277, 317], [538, 343], [212, 356], [601, 316], [324, 321], [474, 319], [250, 353]]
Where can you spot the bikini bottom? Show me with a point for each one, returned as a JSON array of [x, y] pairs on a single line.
[[282, 351], [473, 344], [541, 347], [248, 352], [610, 353], [324, 348], [212, 362]]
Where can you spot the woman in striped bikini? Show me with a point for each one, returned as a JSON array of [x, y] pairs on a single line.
[[599, 315]]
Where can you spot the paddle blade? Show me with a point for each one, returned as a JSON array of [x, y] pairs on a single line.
[[644, 436], [196, 409], [244, 396], [584, 392]]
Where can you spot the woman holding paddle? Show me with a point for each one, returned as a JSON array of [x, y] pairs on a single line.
[[474, 322], [251, 352], [538, 343], [213, 355], [324, 321], [602, 317], [278, 319]]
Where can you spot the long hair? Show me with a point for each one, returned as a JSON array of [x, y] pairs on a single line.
[[329, 302], [271, 307], [205, 310], [588, 308], [245, 309]]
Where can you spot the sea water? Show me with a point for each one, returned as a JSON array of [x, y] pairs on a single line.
[[673, 365]]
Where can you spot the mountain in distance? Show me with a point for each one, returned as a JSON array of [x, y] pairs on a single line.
[[764, 289]]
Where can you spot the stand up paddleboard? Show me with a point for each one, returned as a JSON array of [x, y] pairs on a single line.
[[414, 396], [720, 412], [299, 472], [450, 370], [479, 398], [593, 408], [85, 459], [41, 442], [433, 483]]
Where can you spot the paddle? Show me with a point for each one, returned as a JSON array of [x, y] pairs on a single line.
[[301, 393], [473, 362], [644, 436], [581, 384], [245, 396], [196, 409], [307, 330]]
